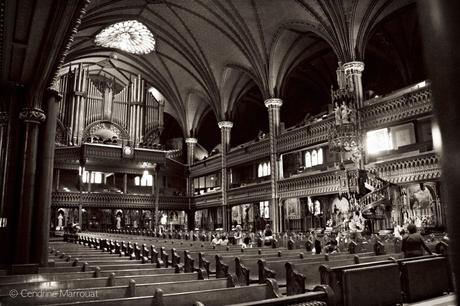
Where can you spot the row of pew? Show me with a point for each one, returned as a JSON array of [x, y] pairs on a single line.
[[115, 269]]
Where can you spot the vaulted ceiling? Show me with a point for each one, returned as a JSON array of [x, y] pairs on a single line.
[[219, 59]]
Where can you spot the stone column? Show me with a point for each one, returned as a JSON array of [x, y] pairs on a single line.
[[353, 73], [190, 220], [225, 132], [125, 183], [440, 33], [31, 117], [45, 165], [274, 106], [191, 143]]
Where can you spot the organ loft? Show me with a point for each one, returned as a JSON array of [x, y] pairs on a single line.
[[229, 152]]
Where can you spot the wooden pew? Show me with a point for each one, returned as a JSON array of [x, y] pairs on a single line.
[[98, 272], [131, 289], [332, 276], [247, 269], [367, 285], [277, 269], [214, 297], [112, 280], [223, 269], [425, 278], [320, 296]]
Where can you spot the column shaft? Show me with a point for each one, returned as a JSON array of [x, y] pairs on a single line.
[[45, 165], [274, 106], [225, 132], [31, 117]]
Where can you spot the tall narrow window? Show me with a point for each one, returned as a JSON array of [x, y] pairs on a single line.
[[260, 171], [314, 158], [320, 156], [307, 160], [265, 171]]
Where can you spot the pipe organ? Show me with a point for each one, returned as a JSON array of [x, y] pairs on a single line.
[[87, 100]]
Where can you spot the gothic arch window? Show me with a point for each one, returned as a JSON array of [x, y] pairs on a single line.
[[307, 160], [314, 158], [263, 169], [320, 156]]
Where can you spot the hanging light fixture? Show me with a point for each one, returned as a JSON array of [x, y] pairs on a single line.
[[129, 36]]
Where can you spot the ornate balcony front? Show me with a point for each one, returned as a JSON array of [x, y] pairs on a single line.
[[115, 201]]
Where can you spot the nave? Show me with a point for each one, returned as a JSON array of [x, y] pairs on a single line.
[[130, 269]]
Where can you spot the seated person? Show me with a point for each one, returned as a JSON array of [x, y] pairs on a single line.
[[224, 241], [217, 240], [268, 235], [413, 244]]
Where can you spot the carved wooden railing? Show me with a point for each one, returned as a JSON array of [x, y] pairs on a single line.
[[207, 200], [397, 107], [250, 193], [116, 200], [419, 167], [305, 136], [373, 199], [311, 184], [106, 152]]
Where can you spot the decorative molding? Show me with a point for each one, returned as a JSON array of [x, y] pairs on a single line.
[[106, 152], [353, 68], [311, 184], [249, 193], [191, 140], [304, 136], [115, 200], [386, 111], [65, 47], [421, 167], [273, 103], [32, 115], [225, 124]]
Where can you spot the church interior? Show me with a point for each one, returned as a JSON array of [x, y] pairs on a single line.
[[229, 152]]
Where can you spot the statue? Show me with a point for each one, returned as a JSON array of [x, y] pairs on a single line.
[[60, 225], [338, 117], [345, 112], [118, 222]]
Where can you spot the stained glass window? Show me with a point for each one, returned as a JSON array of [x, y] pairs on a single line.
[[130, 36]]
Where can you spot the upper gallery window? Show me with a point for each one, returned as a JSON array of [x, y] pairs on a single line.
[[378, 141], [313, 158], [263, 169], [130, 36]]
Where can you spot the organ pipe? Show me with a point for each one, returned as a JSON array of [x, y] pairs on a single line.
[[134, 108]]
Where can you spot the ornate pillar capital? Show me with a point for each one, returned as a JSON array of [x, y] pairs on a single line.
[[53, 92], [225, 124], [32, 115], [191, 141], [273, 103], [353, 67]]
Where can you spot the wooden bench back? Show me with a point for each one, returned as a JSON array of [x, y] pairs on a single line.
[[425, 278], [370, 285]]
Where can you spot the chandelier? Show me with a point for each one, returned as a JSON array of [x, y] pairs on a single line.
[[130, 36]]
